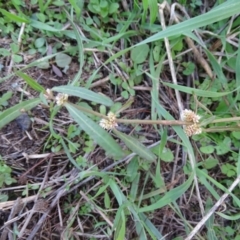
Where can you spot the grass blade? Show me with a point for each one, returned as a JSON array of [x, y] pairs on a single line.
[[169, 197], [223, 11], [197, 92]]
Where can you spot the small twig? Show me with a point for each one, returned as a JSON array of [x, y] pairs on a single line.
[[18, 204], [36, 199], [213, 209], [169, 54], [97, 209], [180, 107]]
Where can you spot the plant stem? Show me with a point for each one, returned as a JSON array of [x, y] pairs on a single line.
[[160, 122]]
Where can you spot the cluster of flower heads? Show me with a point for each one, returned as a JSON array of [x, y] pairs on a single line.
[[60, 99], [190, 116], [109, 123]]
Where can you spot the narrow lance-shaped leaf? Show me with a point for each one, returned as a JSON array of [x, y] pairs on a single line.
[[102, 137], [11, 113], [136, 146], [14, 17], [5, 97], [84, 94], [31, 82]]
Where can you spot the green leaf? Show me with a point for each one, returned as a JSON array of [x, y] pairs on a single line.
[[210, 163], [113, 7], [5, 97], [167, 155], [13, 17], [31, 82], [63, 60], [43, 26], [11, 113], [4, 52], [136, 146], [84, 94], [139, 54], [102, 137], [232, 218], [207, 149], [121, 228], [17, 58], [39, 42], [197, 92]]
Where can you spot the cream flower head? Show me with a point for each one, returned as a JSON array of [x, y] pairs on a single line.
[[109, 123], [190, 116], [61, 98]]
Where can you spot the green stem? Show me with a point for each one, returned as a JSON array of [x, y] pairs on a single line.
[[222, 129], [233, 119], [160, 122]]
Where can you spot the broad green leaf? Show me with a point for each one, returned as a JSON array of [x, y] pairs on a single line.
[[139, 54], [63, 60], [113, 7], [210, 163], [207, 149], [13, 17], [84, 94], [11, 113], [17, 58], [169, 197], [31, 82], [39, 42], [102, 137], [136, 146]]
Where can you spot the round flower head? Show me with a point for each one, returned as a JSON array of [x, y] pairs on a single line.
[[189, 116], [193, 129], [109, 123], [61, 98]]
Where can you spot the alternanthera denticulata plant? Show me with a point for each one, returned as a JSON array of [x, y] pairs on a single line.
[[189, 119]]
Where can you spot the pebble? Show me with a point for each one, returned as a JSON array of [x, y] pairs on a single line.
[[24, 121]]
